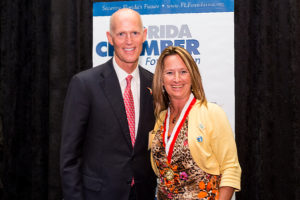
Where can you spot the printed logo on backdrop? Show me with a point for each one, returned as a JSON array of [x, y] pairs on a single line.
[[159, 37]]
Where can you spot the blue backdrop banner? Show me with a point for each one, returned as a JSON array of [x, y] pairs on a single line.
[[164, 6]]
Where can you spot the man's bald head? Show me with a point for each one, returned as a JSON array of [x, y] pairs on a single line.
[[124, 13]]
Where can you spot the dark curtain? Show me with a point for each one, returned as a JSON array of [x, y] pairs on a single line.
[[71, 52], [267, 85], [43, 43], [24, 98]]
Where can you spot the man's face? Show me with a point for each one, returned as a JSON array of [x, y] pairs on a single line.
[[127, 37]]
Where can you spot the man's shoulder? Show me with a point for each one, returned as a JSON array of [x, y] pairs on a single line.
[[95, 71], [147, 74]]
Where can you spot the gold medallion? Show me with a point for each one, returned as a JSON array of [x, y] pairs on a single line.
[[169, 174]]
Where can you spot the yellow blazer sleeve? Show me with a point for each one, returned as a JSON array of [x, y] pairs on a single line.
[[224, 148]]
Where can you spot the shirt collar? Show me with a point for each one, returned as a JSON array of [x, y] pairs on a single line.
[[121, 74]]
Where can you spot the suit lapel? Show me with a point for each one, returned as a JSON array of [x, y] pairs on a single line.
[[110, 84], [145, 97]]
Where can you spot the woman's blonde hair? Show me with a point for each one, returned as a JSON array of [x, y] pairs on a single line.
[[160, 96]]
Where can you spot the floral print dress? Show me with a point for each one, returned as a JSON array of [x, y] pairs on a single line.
[[182, 178]]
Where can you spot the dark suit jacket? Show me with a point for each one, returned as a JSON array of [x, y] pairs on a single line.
[[97, 158]]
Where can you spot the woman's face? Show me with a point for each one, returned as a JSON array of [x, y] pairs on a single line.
[[176, 78]]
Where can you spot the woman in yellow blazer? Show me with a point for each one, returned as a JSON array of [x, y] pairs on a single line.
[[193, 151]]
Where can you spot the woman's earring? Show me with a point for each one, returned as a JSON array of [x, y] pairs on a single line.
[[163, 89]]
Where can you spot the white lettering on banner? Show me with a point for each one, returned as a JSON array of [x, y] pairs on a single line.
[[134, 7], [147, 6], [106, 8], [199, 5], [172, 5], [169, 31]]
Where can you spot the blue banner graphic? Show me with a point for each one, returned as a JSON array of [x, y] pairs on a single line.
[[147, 7]]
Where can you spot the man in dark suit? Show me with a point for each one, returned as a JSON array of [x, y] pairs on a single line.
[[108, 114]]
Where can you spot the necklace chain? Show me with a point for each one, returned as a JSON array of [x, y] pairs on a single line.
[[174, 120]]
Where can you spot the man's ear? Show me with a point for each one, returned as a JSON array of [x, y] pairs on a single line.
[[145, 34], [109, 38]]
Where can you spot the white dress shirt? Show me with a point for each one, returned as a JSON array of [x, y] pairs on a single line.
[[135, 88]]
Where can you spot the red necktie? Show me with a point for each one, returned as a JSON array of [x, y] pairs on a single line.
[[129, 106]]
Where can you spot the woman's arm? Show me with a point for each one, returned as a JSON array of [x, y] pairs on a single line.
[[226, 193], [224, 148]]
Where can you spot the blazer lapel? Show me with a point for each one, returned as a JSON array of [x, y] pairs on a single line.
[[110, 84]]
